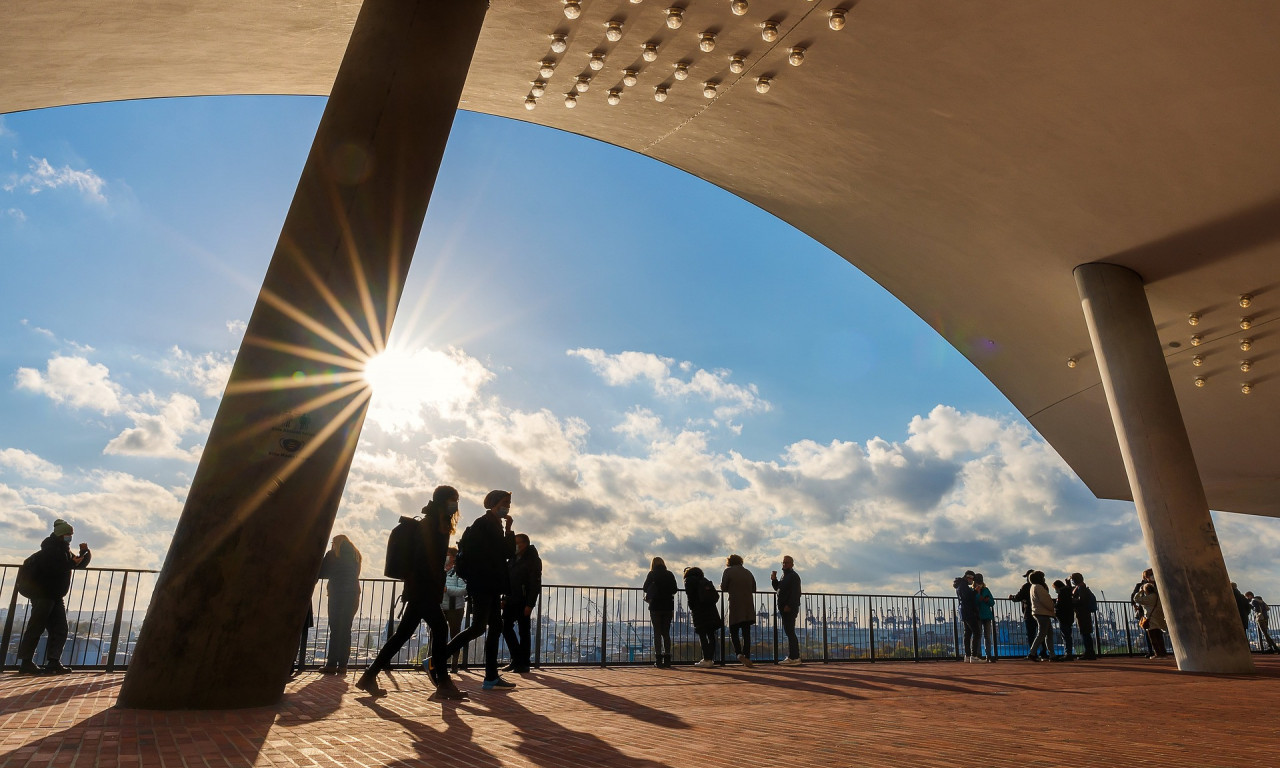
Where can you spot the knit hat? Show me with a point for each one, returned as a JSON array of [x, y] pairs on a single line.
[[61, 527], [495, 498]]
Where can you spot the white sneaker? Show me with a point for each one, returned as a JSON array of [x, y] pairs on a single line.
[[790, 662], [705, 664]]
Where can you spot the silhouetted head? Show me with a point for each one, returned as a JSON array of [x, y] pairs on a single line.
[[658, 564], [734, 560]]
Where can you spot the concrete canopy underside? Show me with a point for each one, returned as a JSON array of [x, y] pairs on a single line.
[[966, 156]]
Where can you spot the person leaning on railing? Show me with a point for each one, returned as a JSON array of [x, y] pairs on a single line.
[[788, 588], [51, 580], [660, 593]]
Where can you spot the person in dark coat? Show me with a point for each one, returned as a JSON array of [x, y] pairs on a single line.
[[524, 572], [1148, 577], [423, 591], [704, 604], [660, 593], [486, 546], [968, 614], [51, 581], [739, 585], [788, 589], [1243, 606], [1064, 608], [1023, 596], [341, 567], [1086, 605]]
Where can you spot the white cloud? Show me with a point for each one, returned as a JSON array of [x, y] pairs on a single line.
[[16, 214], [236, 327], [74, 381], [209, 372], [41, 175], [159, 434], [713, 386], [29, 465]]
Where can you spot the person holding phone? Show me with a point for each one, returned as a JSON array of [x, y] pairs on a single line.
[[51, 581]]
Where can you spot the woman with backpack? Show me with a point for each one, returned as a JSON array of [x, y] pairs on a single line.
[[341, 566], [704, 604], [660, 593]]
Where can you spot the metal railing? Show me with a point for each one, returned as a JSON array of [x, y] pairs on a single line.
[[585, 625]]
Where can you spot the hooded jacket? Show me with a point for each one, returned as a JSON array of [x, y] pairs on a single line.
[[524, 576], [54, 565], [703, 601], [487, 548]]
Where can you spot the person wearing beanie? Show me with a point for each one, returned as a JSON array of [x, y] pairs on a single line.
[[484, 549], [51, 579]]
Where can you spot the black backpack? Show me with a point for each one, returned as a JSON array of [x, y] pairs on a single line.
[[464, 564], [27, 584], [401, 546]]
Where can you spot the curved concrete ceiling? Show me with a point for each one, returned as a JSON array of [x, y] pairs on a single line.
[[965, 155]]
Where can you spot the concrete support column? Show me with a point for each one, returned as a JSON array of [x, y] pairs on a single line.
[[232, 597], [1195, 590]]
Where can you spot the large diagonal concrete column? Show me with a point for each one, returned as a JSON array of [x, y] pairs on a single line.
[[232, 597], [1195, 590]]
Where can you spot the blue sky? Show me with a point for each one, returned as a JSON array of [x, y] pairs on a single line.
[[653, 365]]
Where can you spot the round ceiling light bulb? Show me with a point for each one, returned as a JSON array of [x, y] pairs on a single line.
[[675, 17], [1245, 344], [1245, 365], [836, 18], [736, 64], [1197, 361], [1071, 362], [615, 96], [572, 9], [558, 43], [659, 94], [1246, 388], [1199, 381], [738, 7], [583, 83], [762, 85], [530, 102], [1245, 300], [597, 62], [682, 71], [707, 43], [570, 100], [1246, 323], [1196, 339], [1193, 319], [613, 31], [547, 68], [709, 90], [629, 77], [539, 88], [796, 57], [769, 31], [649, 52]]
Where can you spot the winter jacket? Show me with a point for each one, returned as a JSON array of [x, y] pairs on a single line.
[[1023, 596], [524, 576], [1064, 605], [455, 591], [1041, 602], [1242, 605], [487, 550], [660, 589], [738, 583], [1154, 611], [1259, 606], [1084, 600], [968, 600], [52, 575], [788, 588], [343, 574], [986, 605], [704, 602], [425, 581]]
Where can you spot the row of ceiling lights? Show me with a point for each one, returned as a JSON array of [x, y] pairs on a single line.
[[836, 19], [1193, 319]]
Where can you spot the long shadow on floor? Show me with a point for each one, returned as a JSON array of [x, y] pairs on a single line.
[[915, 678], [34, 695], [546, 742], [610, 702], [454, 746]]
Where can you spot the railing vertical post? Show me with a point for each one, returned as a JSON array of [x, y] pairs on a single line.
[[955, 631], [537, 637], [8, 626], [915, 630], [721, 631], [1128, 636], [604, 626], [115, 628], [775, 629], [871, 627], [825, 656]]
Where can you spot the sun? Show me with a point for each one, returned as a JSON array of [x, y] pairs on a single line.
[[407, 381]]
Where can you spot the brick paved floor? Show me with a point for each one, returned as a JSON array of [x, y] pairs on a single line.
[[1121, 712]]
